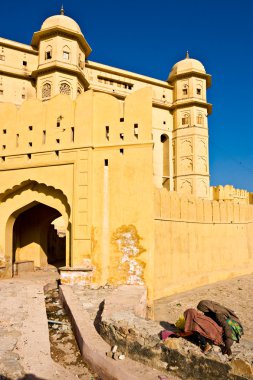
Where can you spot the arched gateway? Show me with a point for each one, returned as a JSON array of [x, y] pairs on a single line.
[[35, 225]]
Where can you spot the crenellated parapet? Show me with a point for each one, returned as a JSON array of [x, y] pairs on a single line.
[[230, 193]]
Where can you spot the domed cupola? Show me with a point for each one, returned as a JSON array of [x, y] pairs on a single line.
[[186, 67], [62, 54]]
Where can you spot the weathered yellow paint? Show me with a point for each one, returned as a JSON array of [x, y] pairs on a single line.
[[104, 149]]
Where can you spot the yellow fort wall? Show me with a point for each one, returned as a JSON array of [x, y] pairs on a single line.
[[198, 242]]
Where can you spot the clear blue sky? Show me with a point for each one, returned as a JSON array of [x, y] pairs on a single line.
[[149, 37]]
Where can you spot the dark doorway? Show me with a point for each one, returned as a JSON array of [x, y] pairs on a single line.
[[36, 237]]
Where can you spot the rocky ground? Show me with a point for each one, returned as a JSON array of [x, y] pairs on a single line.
[[139, 338], [236, 294]]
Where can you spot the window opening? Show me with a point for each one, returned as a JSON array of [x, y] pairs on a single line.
[[106, 162], [185, 91], [57, 153], [48, 53], [185, 119], [136, 128], [107, 132], [58, 122], [3, 159], [30, 127], [24, 63], [121, 135], [198, 91], [17, 140], [121, 119], [30, 144], [65, 55], [4, 147], [4, 131], [121, 151], [29, 156], [1, 92], [46, 90], [57, 141], [65, 88], [199, 119], [72, 134], [44, 137]]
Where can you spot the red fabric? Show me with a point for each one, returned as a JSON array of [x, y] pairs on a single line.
[[166, 333], [198, 322]]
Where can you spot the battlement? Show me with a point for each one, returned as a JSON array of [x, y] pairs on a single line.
[[229, 192]]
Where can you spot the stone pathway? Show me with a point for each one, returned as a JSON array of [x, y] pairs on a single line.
[[25, 347]]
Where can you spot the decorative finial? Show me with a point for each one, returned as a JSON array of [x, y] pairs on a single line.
[[62, 10], [187, 55]]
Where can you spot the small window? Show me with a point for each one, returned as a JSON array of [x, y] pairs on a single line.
[[136, 129], [164, 122], [106, 162], [57, 153], [30, 144], [198, 91], [121, 151], [23, 96], [29, 156], [121, 135], [4, 147], [65, 55], [57, 141], [58, 121], [185, 119], [3, 159], [200, 119], [48, 54], [107, 132], [72, 134], [24, 63], [121, 119], [2, 57], [164, 96], [30, 127], [44, 137], [17, 140], [4, 131], [1, 92], [185, 91], [46, 90]]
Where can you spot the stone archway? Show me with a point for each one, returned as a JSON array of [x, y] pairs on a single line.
[[20, 205]]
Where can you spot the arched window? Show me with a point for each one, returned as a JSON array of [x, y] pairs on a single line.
[[200, 119], [79, 91], [66, 53], [46, 90], [185, 89], [186, 119], [199, 90], [65, 88], [48, 52]]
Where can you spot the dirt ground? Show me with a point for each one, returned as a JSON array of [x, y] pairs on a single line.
[[237, 294]]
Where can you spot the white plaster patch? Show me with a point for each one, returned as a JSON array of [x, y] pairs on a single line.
[[128, 246]]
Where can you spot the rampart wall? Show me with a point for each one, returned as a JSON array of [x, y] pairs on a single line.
[[198, 242]]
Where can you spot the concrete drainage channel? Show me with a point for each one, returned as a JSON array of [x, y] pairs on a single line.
[[63, 346]]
